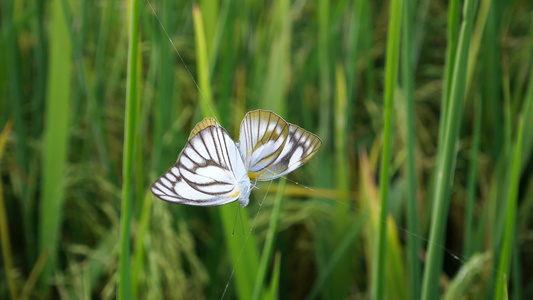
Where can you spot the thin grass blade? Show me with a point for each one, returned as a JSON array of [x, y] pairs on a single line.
[[269, 243], [130, 135], [510, 218], [408, 86], [4, 229], [446, 160], [55, 141], [206, 97], [391, 75]]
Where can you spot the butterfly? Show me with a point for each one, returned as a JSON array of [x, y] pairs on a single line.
[[213, 170]]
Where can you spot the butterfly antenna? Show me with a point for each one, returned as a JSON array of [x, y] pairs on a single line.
[[235, 222], [242, 224], [254, 186]]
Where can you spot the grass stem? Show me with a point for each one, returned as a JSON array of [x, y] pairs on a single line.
[[130, 127], [391, 75]]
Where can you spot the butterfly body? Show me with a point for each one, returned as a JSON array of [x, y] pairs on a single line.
[[245, 186], [213, 170]]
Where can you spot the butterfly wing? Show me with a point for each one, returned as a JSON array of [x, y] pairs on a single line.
[[261, 139], [300, 146], [271, 147], [207, 173]]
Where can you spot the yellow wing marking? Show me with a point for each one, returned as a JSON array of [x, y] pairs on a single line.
[[254, 175], [237, 193], [203, 125]]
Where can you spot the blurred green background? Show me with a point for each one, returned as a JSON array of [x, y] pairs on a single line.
[[96, 103]]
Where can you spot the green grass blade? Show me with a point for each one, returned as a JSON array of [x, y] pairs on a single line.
[[5, 239], [130, 128], [218, 34], [55, 141], [528, 111], [340, 276], [210, 11], [342, 173], [395, 275], [497, 211], [492, 81], [336, 257], [517, 268], [391, 75], [39, 90], [278, 68], [269, 243], [324, 177], [206, 96], [477, 35], [446, 160], [16, 103], [354, 42], [469, 240], [273, 291], [454, 10], [138, 263], [510, 218], [141, 120], [325, 72], [38, 267], [15, 88], [413, 242], [476, 43], [242, 249], [369, 72]]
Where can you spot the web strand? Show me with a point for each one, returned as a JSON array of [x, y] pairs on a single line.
[[182, 61]]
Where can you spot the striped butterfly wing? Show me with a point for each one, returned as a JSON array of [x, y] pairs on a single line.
[[262, 137], [208, 170], [300, 147], [272, 148]]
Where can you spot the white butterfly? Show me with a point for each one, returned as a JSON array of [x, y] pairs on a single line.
[[213, 170]]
